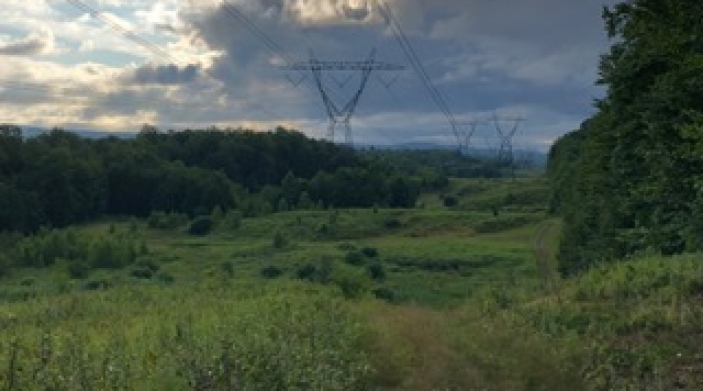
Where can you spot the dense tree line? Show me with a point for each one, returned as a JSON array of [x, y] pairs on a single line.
[[58, 178], [437, 164], [631, 179]]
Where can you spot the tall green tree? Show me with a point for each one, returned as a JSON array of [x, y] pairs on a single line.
[[640, 169]]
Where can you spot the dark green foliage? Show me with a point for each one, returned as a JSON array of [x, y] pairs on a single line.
[[500, 224], [201, 226], [165, 278], [376, 271], [434, 167], [279, 240], [370, 252], [142, 273], [271, 272], [59, 179], [227, 268], [112, 254], [392, 223], [385, 294], [307, 272], [96, 285], [5, 266], [353, 285], [403, 193], [629, 180], [233, 220], [166, 221], [44, 249], [320, 273], [355, 258], [449, 201], [323, 230], [305, 201], [148, 263], [78, 270]]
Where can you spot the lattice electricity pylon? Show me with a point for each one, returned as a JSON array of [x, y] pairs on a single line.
[[466, 132], [342, 115], [506, 136]]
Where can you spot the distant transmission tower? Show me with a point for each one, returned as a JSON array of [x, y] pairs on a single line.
[[506, 137], [466, 133], [340, 116]]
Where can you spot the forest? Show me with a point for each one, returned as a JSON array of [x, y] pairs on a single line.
[[629, 181], [58, 178]]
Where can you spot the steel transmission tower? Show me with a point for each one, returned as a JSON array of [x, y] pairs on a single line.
[[506, 137], [466, 134], [341, 115]]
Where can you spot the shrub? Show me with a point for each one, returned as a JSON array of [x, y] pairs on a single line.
[[370, 252], [271, 272], [217, 214], [96, 285], [201, 226], [325, 270], [353, 285], [4, 266], [108, 253], [233, 220], [376, 271], [145, 268], [450, 201], [133, 225], [385, 294], [392, 223], [166, 221], [323, 230], [307, 272], [142, 273], [279, 240], [156, 220], [227, 268], [165, 278], [78, 270], [355, 258]]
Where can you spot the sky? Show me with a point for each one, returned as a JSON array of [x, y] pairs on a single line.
[[178, 64]]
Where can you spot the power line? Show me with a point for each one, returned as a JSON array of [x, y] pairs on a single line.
[[158, 51], [126, 32], [419, 68], [270, 44]]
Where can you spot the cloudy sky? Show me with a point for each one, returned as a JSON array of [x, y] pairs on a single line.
[[199, 63]]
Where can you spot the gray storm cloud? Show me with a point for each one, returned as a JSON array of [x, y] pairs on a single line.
[[33, 44], [164, 75]]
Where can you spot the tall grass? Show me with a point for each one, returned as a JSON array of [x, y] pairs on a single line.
[[142, 338]]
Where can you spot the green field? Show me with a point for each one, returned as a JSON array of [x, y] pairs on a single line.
[[431, 298]]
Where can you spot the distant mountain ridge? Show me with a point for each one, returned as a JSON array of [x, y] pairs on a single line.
[[34, 131]]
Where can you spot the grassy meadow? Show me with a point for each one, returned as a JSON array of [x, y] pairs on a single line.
[[463, 297]]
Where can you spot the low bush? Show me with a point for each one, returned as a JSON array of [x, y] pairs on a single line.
[[227, 268], [142, 273], [200, 226], [370, 252], [271, 272], [78, 270], [355, 258], [376, 271]]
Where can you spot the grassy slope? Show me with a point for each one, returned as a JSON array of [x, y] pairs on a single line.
[[473, 313]]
